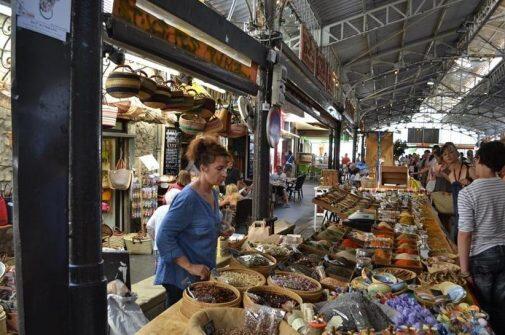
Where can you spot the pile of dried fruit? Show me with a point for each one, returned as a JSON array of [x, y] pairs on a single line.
[[212, 294], [272, 299], [294, 282]]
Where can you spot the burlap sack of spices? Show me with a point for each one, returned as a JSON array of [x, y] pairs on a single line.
[[226, 321]]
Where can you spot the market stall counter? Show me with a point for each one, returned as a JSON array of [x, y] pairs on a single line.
[[401, 277]]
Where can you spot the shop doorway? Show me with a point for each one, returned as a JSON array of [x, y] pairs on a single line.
[[116, 206]]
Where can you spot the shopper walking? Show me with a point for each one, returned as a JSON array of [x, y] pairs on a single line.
[[481, 237], [183, 179], [187, 237], [459, 175]]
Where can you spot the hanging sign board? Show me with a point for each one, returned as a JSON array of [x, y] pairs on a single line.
[[308, 48], [321, 68], [47, 17], [274, 126], [129, 12]]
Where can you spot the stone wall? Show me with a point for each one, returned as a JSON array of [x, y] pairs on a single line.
[[148, 140], [5, 140]]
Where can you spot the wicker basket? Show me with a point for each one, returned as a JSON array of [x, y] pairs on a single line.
[[147, 86], [161, 96], [264, 270], [191, 124], [190, 306], [307, 296], [226, 318], [138, 245], [123, 82]]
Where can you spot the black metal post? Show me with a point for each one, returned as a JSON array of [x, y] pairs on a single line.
[[363, 137], [354, 143], [261, 166], [338, 133], [40, 120], [330, 153], [88, 305]]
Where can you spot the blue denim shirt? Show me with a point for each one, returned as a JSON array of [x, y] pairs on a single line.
[[190, 228]]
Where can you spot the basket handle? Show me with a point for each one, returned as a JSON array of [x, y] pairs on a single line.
[[158, 79], [142, 73], [124, 67]]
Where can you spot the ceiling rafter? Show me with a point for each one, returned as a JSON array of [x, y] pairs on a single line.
[[380, 17], [367, 56]]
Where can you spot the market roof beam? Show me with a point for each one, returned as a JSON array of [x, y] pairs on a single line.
[[380, 17], [367, 56]]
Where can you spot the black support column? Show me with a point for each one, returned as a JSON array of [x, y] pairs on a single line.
[[363, 138], [88, 305], [261, 166], [354, 143], [338, 133], [330, 153], [40, 124]]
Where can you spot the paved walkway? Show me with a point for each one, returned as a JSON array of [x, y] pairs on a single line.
[[300, 212]]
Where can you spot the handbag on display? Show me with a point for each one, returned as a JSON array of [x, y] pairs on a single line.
[[120, 178], [443, 202], [258, 231]]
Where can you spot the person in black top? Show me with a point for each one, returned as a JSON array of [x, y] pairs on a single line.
[[233, 174]]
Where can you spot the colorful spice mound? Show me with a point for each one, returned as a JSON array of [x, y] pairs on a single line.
[[272, 299], [294, 282], [410, 313], [212, 294]]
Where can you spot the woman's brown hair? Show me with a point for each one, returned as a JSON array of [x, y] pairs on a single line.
[[204, 150]]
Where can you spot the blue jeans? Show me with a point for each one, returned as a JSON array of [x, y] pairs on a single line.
[[488, 273], [173, 295]]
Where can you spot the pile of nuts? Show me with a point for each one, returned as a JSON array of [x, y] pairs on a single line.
[[238, 279]]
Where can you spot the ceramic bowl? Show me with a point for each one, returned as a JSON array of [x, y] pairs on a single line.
[[375, 288], [384, 278], [398, 286]]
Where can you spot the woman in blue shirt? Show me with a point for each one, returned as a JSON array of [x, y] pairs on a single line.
[[187, 237]]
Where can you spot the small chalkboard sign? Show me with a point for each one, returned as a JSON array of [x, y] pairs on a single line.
[[172, 151]]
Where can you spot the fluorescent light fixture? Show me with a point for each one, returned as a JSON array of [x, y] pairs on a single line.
[[208, 85], [151, 64], [5, 10]]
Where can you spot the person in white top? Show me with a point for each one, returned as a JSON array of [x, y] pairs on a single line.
[[481, 236], [183, 179]]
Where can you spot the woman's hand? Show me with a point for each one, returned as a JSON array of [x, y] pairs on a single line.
[[199, 270], [228, 232]]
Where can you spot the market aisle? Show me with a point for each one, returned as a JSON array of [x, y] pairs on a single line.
[[301, 212]]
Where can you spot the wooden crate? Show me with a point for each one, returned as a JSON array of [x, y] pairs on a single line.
[[396, 175], [329, 177]]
